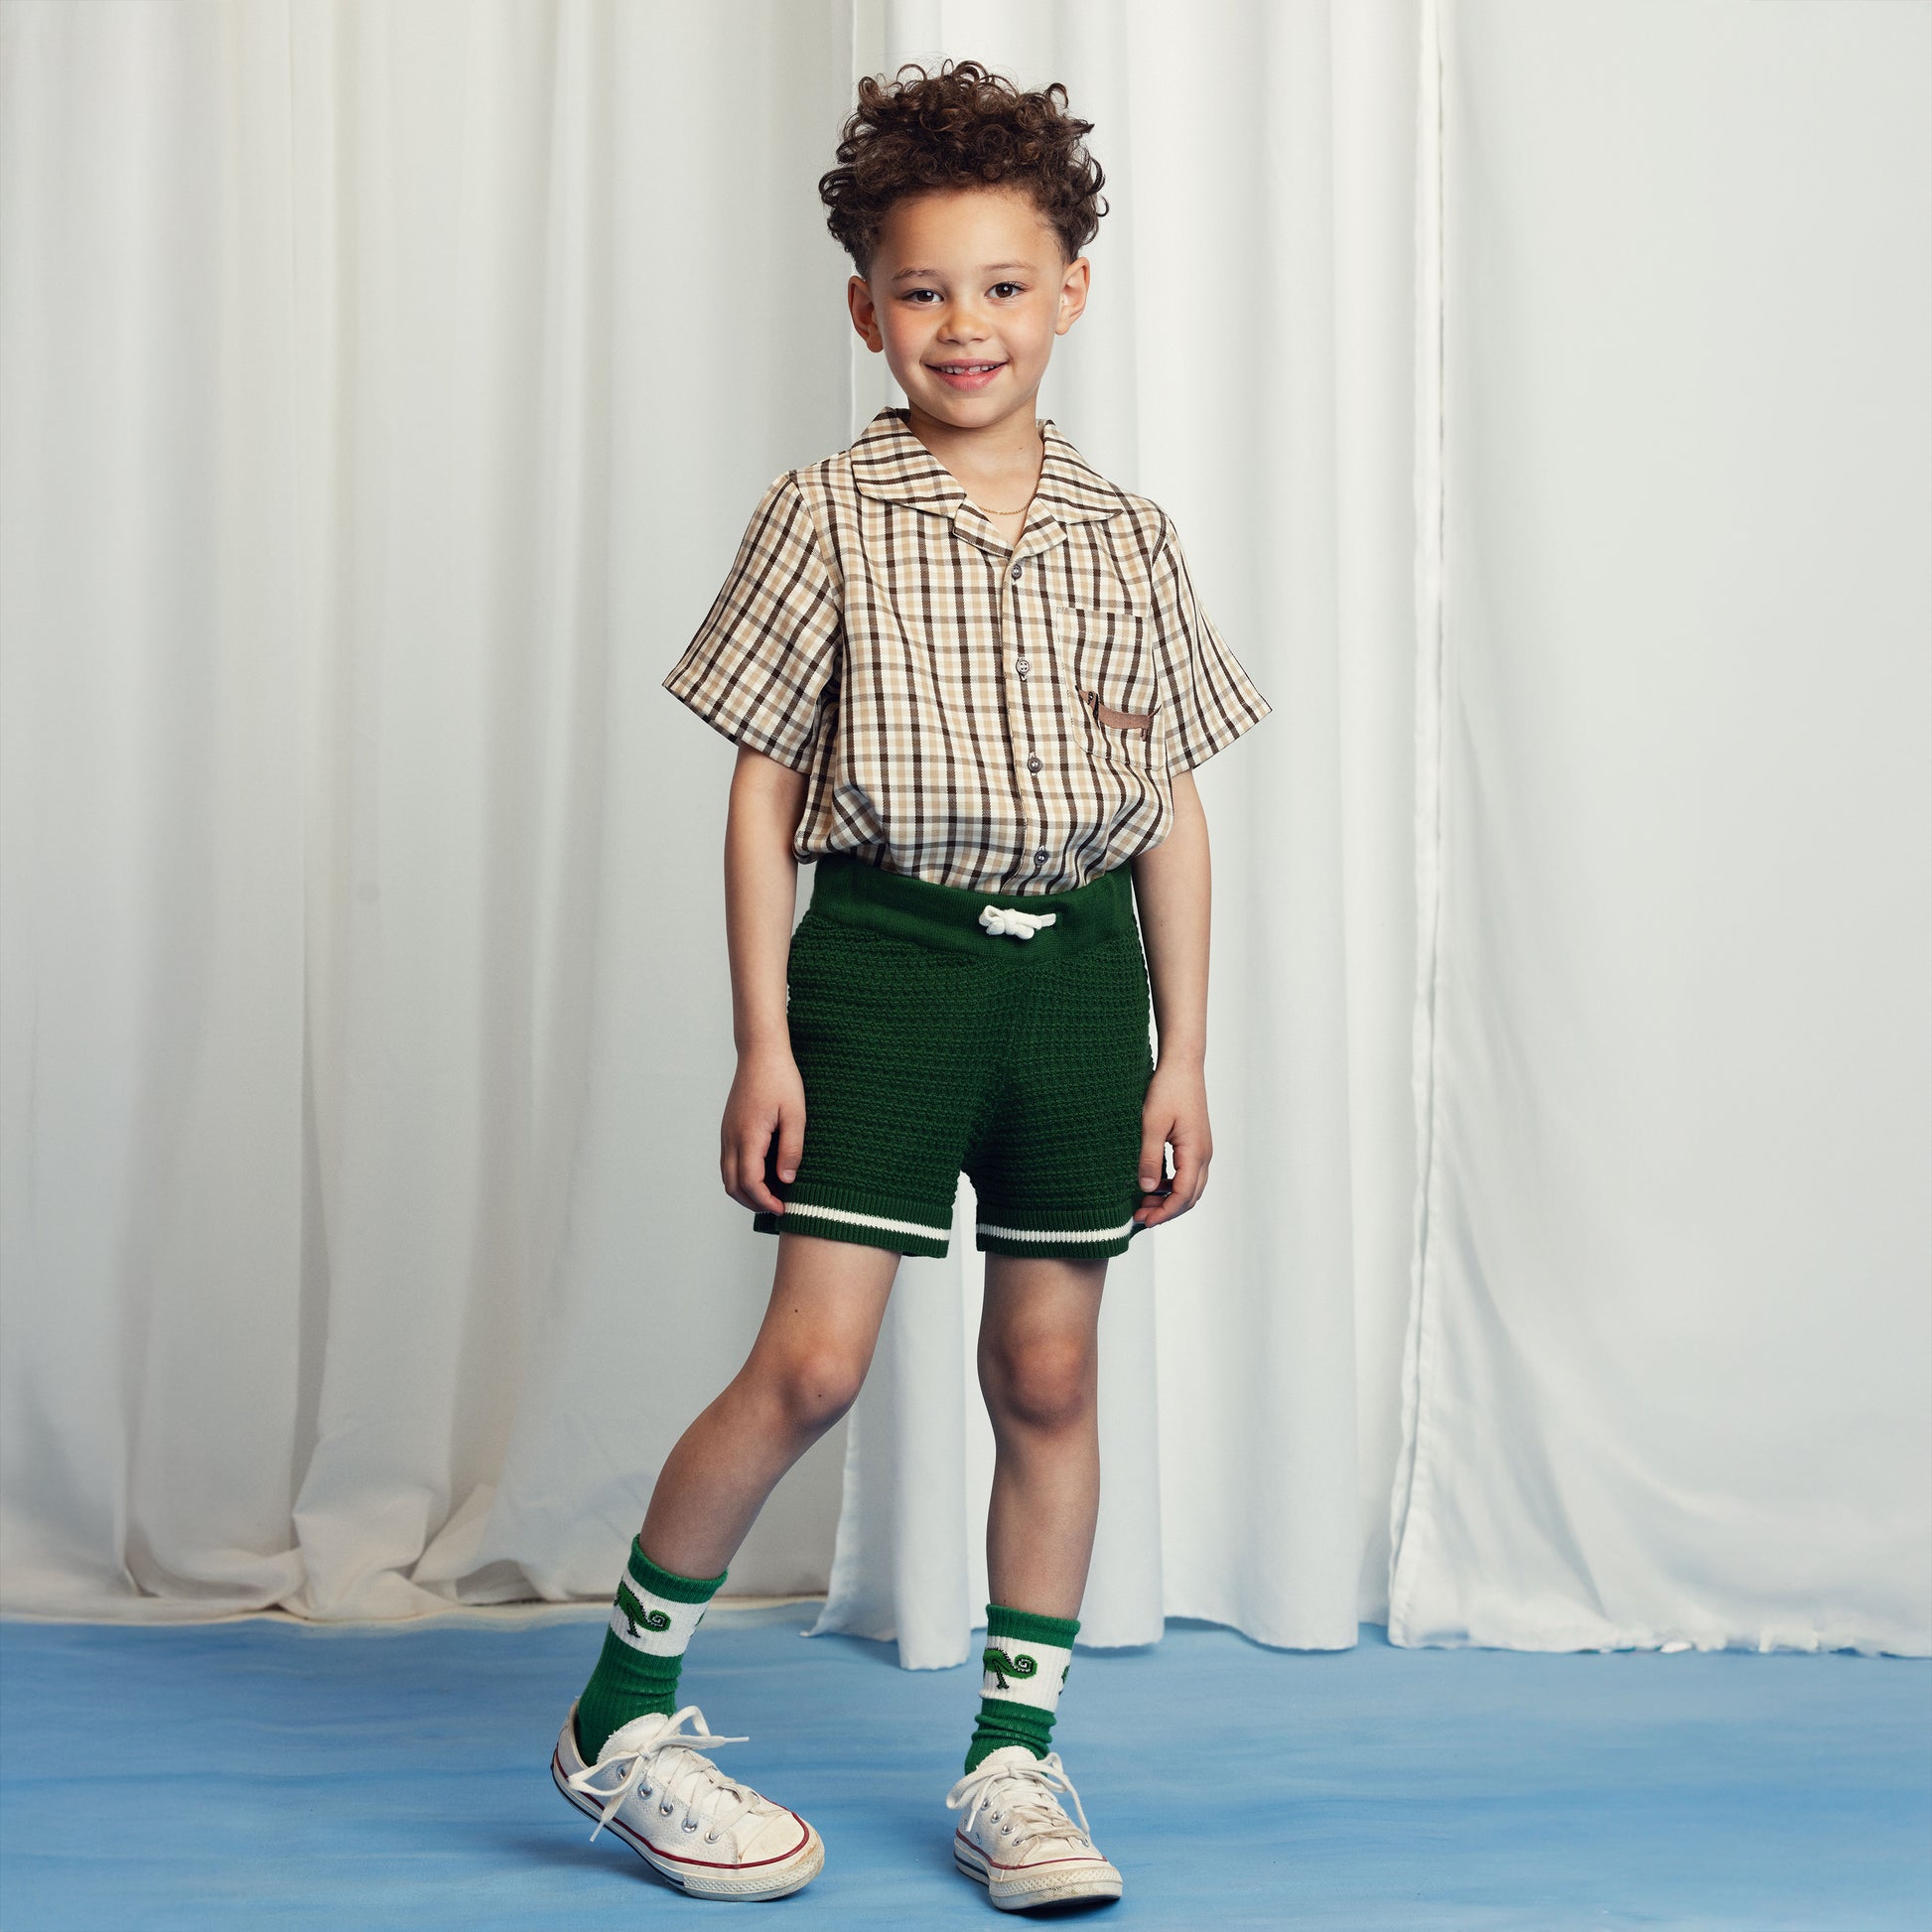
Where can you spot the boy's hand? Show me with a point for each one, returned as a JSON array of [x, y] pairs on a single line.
[[768, 1097], [1174, 1114]]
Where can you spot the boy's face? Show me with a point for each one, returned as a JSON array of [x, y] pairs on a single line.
[[966, 293]]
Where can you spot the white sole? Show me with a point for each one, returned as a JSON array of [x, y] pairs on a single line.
[[770, 1881], [1098, 1887]]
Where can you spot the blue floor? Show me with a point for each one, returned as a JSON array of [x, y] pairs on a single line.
[[262, 1774]]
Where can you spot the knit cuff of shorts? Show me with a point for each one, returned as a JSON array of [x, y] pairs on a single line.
[[864, 1215]]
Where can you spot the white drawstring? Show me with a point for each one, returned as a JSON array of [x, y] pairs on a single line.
[[1040, 1808], [679, 1769], [1011, 922]]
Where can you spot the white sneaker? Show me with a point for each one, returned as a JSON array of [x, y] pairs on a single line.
[[703, 1831], [1017, 1840]]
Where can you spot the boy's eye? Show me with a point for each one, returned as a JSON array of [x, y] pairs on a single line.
[[1007, 288], [913, 295]]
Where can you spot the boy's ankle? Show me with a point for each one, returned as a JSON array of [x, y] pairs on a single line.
[[652, 1618], [1025, 1662]]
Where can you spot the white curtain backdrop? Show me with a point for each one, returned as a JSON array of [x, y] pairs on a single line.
[[1670, 1372], [383, 388]]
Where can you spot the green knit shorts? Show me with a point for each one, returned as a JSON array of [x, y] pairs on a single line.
[[930, 1045]]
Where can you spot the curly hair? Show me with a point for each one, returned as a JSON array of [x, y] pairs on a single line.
[[961, 127]]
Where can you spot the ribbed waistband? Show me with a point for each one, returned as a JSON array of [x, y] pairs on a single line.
[[854, 892]]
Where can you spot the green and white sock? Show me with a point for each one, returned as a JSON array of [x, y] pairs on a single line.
[[652, 1618], [1025, 1661]]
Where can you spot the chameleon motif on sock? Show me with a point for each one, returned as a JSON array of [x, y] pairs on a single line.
[[635, 1613], [1002, 1666]]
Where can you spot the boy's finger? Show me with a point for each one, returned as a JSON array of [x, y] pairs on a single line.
[[750, 1176], [1158, 1209], [792, 1145], [1184, 1191], [1154, 1140], [1157, 1204], [1187, 1178]]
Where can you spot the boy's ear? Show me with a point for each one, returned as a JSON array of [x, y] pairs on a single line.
[[865, 316], [1073, 294]]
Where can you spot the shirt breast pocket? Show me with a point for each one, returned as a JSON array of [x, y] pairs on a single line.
[[1106, 671]]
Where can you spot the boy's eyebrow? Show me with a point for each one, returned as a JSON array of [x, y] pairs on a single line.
[[986, 268]]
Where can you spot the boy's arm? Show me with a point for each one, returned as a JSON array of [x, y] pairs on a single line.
[[1171, 889], [760, 891]]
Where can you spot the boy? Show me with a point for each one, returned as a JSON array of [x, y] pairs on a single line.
[[967, 676]]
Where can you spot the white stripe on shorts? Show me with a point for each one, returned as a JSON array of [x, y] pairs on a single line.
[[865, 1220], [1057, 1234]]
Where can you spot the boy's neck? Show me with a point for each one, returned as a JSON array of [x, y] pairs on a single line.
[[1002, 456]]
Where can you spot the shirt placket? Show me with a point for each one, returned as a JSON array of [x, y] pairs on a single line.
[[1023, 699]]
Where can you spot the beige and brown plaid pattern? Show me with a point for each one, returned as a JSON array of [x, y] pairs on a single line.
[[1000, 720]]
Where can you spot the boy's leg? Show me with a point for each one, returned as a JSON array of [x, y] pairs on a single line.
[[1039, 1359], [804, 1370], [1038, 1367]]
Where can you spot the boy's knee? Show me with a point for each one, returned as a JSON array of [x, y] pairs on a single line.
[[1040, 1381], [818, 1388]]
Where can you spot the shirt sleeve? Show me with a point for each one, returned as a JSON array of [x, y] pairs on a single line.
[[766, 652], [1210, 699]]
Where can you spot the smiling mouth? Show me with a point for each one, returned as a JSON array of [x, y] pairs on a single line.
[[966, 368]]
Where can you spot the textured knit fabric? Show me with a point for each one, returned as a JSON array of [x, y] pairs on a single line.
[[652, 1616], [969, 713], [1025, 1664], [929, 1044]]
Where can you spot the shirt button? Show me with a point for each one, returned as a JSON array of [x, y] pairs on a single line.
[[1033, 761], [1020, 668], [1040, 857], [1016, 572]]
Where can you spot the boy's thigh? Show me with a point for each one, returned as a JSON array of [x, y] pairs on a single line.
[[828, 1299], [1040, 1299]]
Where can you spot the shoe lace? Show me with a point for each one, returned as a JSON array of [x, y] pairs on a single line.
[[668, 1759], [1026, 1795]]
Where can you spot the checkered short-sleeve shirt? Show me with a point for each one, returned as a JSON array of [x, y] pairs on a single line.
[[1003, 720]]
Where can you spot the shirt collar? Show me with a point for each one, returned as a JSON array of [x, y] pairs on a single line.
[[891, 463]]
